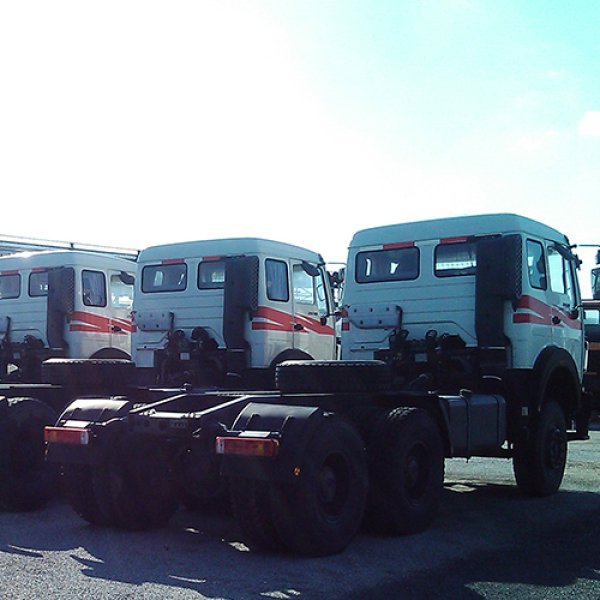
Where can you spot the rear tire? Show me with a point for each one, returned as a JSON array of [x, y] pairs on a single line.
[[84, 489], [321, 512], [139, 485], [251, 501], [200, 485], [27, 481], [539, 462], [406, 460]]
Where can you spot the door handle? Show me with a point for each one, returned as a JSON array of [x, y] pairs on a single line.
[[555, 320], [115, 329], [298, 327]]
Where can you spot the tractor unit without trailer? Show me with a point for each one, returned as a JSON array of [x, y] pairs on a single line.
[[212, 313], [62, 304], [225, 312], [461, 337], [65, 330]]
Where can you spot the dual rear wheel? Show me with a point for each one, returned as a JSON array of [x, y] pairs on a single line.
[[395, 480]]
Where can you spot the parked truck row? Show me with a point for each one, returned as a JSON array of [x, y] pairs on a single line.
[[68, 330], [459, 337]]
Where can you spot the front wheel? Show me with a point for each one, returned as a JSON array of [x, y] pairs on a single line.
[[539, 462]]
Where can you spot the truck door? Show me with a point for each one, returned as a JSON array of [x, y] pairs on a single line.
[[564, 299], [120, 300], [101, 324], [313, 319]]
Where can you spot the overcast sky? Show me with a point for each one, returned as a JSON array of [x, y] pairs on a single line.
[[136, 123]]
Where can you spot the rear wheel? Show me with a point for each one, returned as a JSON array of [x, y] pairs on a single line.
[[321, 512], [139, 491], [406, 461], [27, 481], [251, 502], [200, 485], [539, 462], [84, 489]]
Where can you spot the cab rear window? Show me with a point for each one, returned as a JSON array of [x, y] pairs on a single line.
[[38, 283], [10, 286], [394, 264], [164, 278], [455, 259], [211, 274]]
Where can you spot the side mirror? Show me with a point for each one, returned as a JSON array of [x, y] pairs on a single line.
[[126, 278], [310, 269]]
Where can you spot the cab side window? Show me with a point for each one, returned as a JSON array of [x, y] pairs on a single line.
[[556, 267], [121, 293], [536, 265], [304, 286], [562, 276], [94, 288], [278, 287]]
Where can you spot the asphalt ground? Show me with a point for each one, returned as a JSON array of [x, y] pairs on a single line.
[[487, 542]]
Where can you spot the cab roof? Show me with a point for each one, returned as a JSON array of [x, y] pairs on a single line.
[[485, 224], [62, 258], [227, 247]]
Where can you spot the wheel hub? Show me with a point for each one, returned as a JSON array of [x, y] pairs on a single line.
[[556, 449]]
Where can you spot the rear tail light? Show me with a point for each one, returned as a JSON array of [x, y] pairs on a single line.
[[247, 446], [67, 435]]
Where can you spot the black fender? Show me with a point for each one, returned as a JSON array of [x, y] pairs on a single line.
[[556, 365], [104, 417], [293, 426], [96, 410]]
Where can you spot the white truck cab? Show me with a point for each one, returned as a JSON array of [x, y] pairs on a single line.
[[481, 294], [205, 310], [63, 303]]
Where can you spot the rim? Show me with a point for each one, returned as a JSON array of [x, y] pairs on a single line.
[[416, 471], [556, 448], [333, 485]]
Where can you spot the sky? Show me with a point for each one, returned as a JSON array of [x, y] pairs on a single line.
[[130, 124]]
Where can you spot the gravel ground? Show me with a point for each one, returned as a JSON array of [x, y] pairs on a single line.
[[488, 542]]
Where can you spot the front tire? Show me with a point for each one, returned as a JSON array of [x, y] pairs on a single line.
[[539, 462]]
